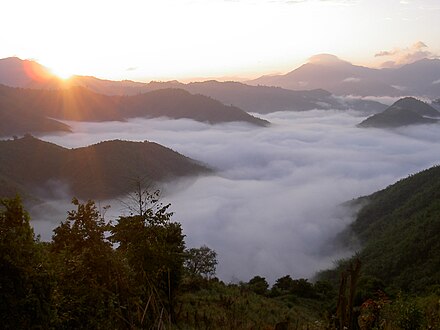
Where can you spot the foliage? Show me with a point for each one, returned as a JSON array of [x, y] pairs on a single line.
[[258, 285], [408, 314], [88, 274], [25, 282], [399, 228], [201, 262], [130, 274], [229, 306], [153, 247]]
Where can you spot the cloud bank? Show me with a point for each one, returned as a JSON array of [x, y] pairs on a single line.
[[401, 56], [274, 203]]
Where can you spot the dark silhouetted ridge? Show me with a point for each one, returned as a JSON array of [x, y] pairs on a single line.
[[104, 170], [404, 112], [30, 110]]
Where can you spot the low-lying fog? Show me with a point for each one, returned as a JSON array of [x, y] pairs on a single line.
[[272, 207]]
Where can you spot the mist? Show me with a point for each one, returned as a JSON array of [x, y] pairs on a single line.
[[274, 203]]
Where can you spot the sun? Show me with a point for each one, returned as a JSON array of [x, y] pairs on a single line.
[[62, 72]]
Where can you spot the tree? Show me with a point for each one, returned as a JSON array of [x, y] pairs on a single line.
[[25, 283], [91, 290], [303, 288], [258, 285], [153, 246], [201, 261], [83, 229], [283, 284]]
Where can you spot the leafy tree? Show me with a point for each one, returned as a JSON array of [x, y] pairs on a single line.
[[303, 288], [324, 289], [201, 261], [90, 287], [153, 246], [25, 283], [283, 285], [258, 285]]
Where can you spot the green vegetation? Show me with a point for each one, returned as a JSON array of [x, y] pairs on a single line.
[[137, 274], [398, 228]]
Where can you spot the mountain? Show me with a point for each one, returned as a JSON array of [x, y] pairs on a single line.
[[340, 77], [258, 99], [177, 103], [421, 78], [37, 110], [263, 99], [333, 74], [398, 229], [104, 170], [404, 112], [15, 72], [17, 117]]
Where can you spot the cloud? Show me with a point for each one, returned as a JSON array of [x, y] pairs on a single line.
[[436, 82], [325, 59], [402, 56], [351, 79], [387, 100], [274, 203]]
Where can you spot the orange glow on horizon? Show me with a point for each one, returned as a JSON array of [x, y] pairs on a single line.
[[35, 71], [62, 73]]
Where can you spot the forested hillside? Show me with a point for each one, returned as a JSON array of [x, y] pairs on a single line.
[[398, 285], [148, 279], [104, 170], [398, 229]]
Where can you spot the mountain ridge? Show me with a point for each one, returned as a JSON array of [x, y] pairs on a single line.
[[102, 170], [343, 78], [30, 110], [254, 99], [404, 112], [398, 229]]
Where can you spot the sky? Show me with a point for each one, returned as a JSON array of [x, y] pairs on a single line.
[[198, 39], [274, 205]]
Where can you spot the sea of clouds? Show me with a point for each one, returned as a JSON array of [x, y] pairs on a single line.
[[274, 203]]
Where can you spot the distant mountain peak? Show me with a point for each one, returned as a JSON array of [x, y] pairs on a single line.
[[404, 112], [326, 59]]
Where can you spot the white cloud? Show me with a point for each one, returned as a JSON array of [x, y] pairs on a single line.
[[351, 79], [401, 56], [273, 205]]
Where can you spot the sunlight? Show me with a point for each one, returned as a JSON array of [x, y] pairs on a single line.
[[62, 72]]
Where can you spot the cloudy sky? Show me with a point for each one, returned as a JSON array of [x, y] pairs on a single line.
[[186, 39], [274, 204]]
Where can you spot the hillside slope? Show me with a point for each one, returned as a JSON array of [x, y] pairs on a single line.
[[104, 170], [343, 78], [404, 112], [398, 229], [27, 110]]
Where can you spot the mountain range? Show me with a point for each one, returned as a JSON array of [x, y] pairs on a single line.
[[404, 112], [105, 170], [421, 78], [37, 110], [255, 99]]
